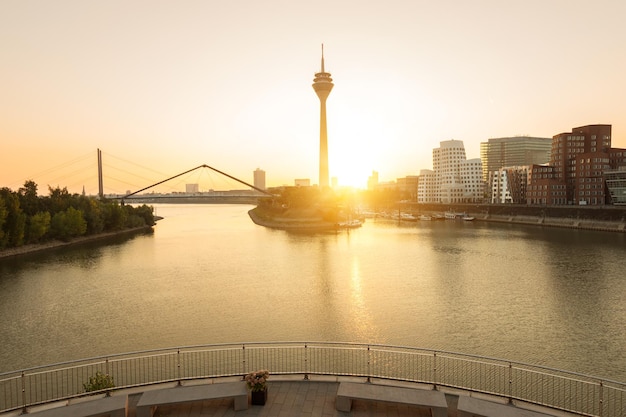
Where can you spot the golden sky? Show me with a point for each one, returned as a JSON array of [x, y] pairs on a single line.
[[171, 85]]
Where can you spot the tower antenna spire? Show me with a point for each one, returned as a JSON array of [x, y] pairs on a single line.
[[323, 58]]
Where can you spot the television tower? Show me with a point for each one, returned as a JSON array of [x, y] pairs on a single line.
[[322, 84]]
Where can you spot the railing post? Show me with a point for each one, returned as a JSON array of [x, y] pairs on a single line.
[[306, 363], [178, 367], [243, 363], [434, 370], [24, 411], [108, 374], [369, 370], [600, 411], [510, 383]]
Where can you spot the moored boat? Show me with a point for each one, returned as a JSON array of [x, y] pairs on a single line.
[[407, 217], [350, 224]]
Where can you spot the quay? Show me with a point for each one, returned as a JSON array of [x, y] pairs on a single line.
[[603, 218]]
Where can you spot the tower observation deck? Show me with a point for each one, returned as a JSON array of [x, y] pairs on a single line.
[[323, 84]]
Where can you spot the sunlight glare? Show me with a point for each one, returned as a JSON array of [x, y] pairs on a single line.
[[355, 147]]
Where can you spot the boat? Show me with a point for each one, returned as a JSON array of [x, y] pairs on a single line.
[[368, 214], [449, 215], [408, 217], [438, 217], [350, 224], [425, 217], [467, 218]]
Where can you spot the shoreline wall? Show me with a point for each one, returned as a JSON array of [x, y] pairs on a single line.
[[582, 224], [34, 248], [600, 218]]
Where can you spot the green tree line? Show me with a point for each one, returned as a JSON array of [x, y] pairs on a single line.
[[27, 218]]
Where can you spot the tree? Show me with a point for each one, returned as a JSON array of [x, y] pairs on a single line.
[[68, 224], [93, 212], [59, 199], [29, 200], [15, 221], [146, 213], [114, 216], [3, 218], [39, 225]]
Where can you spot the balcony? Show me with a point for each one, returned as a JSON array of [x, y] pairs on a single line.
[[295, 365]]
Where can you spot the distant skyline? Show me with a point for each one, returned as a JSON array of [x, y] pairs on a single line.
[[173, 85]]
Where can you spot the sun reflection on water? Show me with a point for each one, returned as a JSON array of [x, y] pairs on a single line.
[[361, 317]]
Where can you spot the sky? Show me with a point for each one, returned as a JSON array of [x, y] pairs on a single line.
[[164, 86]]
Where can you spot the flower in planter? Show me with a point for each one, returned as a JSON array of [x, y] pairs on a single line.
[[256, 380]]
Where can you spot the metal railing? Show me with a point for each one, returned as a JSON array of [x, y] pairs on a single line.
[[557, 389]]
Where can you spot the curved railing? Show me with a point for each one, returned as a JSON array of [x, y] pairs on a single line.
[[557, 389]]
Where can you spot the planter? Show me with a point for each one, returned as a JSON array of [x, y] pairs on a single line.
[[259, 397]]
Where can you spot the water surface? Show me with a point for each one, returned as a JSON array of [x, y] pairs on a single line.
[[207, 274]]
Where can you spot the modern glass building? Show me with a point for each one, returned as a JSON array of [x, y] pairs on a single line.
[[498, 153], [616, 183]]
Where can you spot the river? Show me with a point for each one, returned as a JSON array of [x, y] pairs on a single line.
[[207, 274]]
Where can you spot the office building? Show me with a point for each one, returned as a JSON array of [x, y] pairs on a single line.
[[259, 179], [427, 187], [407, 187], [458, 180], [508, 185], [569, 156], [498, 153], [372, 180], [616, 184], [579, 162], [543, 188]]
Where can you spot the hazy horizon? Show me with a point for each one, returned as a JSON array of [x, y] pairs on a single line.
[[173, 85]]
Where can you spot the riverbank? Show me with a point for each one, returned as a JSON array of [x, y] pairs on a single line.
[[569, 223], [56, 244], [601, 218]]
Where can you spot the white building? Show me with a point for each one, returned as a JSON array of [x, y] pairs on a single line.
[[498, 181], [427, 187], [472, 180], [457, 179]]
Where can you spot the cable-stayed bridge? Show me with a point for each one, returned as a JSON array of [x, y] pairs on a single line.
[[109, 176]]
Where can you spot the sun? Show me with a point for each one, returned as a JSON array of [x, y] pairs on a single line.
[[351, 168], [354, 147], [352, 160]]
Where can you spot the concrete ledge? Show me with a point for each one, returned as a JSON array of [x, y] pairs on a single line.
[[150, 400], [116, 406], [348, 391], [474, 407]]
